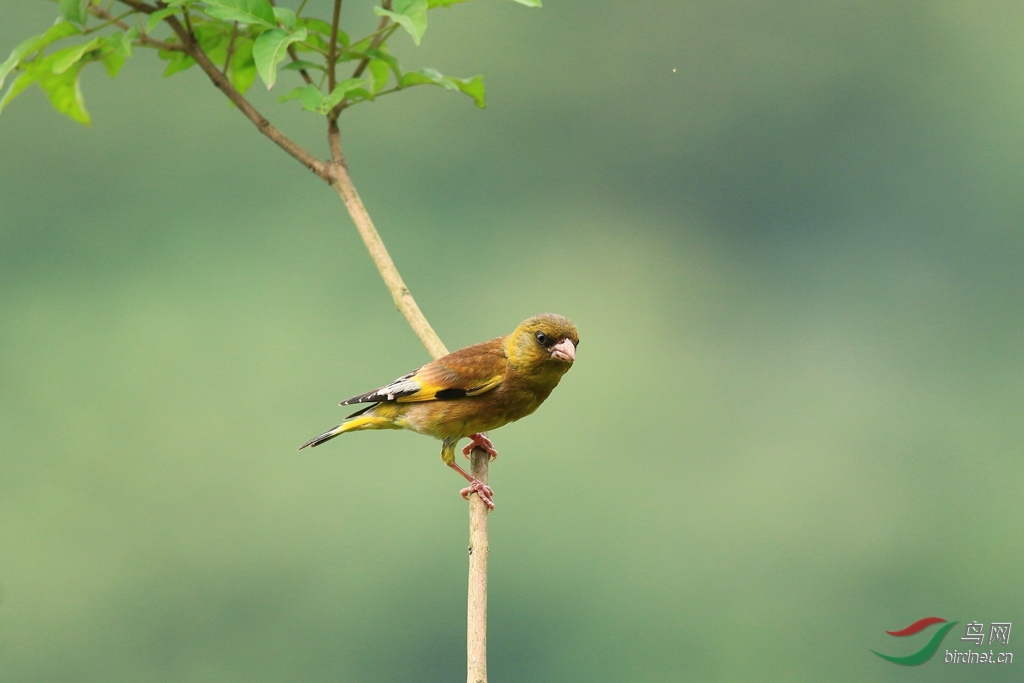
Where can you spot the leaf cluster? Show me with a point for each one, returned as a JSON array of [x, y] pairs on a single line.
[[245, 39]]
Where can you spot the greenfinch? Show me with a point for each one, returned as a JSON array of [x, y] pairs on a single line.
[[471, 391]]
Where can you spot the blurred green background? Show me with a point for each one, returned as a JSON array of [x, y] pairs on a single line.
[[789, 233]]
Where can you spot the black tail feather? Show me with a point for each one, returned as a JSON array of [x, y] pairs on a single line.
[[316, 441]]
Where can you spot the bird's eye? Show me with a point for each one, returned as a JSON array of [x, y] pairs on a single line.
[[542, 339]]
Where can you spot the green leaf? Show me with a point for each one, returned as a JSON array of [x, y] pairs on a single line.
[[270, 49], [243, 68], [360, 48], [409, 14], [358, 95], [380, 70], [112, 62], [176, 61], [301, 64], [213, 37], [243, 78], [61, 29], [285, 17], [245, 11], [529, 3], [311, 100], [383, 55], [69, 56], [426, 77], [158, 16], [314, 41], [474, 87], [314, 100], [75, 10], [19, 84], [293, 94], [122, 42], [65, 92], [310, 97], [16, 54], [316, 26], [117, 43], [341, 90]]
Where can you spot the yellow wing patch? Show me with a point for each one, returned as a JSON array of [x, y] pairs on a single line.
[[436, 392]]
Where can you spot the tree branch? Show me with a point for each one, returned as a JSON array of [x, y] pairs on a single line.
[[144, 39], [334, 142], [231, 48], [188, 23], [479, 550], [479, 547], [336, 174], [302, 72], [111, 19], [220, 80], [332, 48]]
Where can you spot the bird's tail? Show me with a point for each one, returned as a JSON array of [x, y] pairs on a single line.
[[362, 422]]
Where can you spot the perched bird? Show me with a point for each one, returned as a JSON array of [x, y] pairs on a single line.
[[471, 391]]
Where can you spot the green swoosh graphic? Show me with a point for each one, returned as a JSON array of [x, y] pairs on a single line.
[[925, 653]]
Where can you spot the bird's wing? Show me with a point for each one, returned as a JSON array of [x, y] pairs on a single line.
[[471, 371]]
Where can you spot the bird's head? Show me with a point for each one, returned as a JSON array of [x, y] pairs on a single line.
[[544, 342]]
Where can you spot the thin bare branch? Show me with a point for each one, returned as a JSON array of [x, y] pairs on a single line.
[[332, 48], [479, 549], [231, 48], [334, 142], [98, 12], [302, 72], [143, 39]]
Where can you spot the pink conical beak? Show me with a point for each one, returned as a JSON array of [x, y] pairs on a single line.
[[564, 350]]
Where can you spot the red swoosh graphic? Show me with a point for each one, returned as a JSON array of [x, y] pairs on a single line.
[[917, 626]]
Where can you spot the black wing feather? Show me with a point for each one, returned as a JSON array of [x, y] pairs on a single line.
[[396, 389]]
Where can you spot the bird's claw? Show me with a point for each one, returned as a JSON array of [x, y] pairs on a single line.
[[482, 490], [482, 442]]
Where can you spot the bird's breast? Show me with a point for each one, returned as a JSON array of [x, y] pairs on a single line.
[[464, 416]]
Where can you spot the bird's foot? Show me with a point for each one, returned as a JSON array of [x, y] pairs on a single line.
[[482, 442], [481, 489]]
